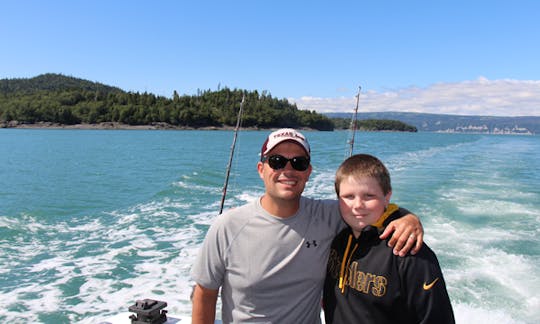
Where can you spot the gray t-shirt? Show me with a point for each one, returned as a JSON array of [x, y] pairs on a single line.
[[270, 270]]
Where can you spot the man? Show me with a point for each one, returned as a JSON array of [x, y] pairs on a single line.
[[269, 256]]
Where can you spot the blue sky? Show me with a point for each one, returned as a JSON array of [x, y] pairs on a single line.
[[457, 57]]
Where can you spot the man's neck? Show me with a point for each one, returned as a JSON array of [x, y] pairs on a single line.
[[280, 208]]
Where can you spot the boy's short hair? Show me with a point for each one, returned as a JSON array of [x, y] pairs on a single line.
[[364, 165]]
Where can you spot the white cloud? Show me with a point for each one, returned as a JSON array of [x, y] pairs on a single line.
[[479, 97]]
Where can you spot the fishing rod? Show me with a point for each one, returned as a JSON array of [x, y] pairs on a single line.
[[238, 119], [354, 123]]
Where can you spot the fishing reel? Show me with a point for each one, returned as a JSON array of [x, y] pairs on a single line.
[[148, 311]]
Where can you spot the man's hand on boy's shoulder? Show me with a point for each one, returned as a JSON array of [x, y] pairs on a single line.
[[408, 234]]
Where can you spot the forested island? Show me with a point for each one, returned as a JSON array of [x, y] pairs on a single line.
[[67, 100], [59, 100], [374, 125]]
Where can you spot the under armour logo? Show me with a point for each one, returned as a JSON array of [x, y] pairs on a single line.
[[309, 244]]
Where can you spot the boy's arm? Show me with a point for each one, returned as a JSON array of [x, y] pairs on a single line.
[[204, 305], [425, 294], [407, 233]]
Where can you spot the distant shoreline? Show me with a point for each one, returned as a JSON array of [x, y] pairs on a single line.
[[108, 126], [122, 126]]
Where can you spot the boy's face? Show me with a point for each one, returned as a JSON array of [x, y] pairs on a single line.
[[361, 202]]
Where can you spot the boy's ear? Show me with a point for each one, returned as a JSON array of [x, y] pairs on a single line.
[[387, 197]]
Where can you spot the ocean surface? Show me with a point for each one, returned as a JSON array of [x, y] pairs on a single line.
[[93, 220]]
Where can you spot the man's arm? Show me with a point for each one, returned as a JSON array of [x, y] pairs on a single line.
[[408, 233], [204, 305]]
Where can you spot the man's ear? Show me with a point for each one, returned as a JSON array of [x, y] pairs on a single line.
[[260, 168]]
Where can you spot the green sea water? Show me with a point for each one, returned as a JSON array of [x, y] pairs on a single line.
[[92, 220]]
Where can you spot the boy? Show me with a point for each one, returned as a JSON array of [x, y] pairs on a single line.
[[365, 281]]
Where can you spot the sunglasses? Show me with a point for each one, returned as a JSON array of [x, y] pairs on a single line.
[[277, 162]]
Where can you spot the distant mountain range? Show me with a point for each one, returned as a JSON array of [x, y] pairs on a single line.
[[456, 123]]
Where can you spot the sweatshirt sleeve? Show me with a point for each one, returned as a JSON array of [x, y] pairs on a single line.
[[426, 296]]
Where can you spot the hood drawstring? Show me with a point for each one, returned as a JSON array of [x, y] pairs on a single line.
[[345, 263]]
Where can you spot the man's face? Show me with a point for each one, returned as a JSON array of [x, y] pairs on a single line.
[[286, 183]]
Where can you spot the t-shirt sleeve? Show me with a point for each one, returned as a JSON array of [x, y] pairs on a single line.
[[330, 212], [209, 267]]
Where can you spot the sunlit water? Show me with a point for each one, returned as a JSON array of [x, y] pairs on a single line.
[[91, 221]]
